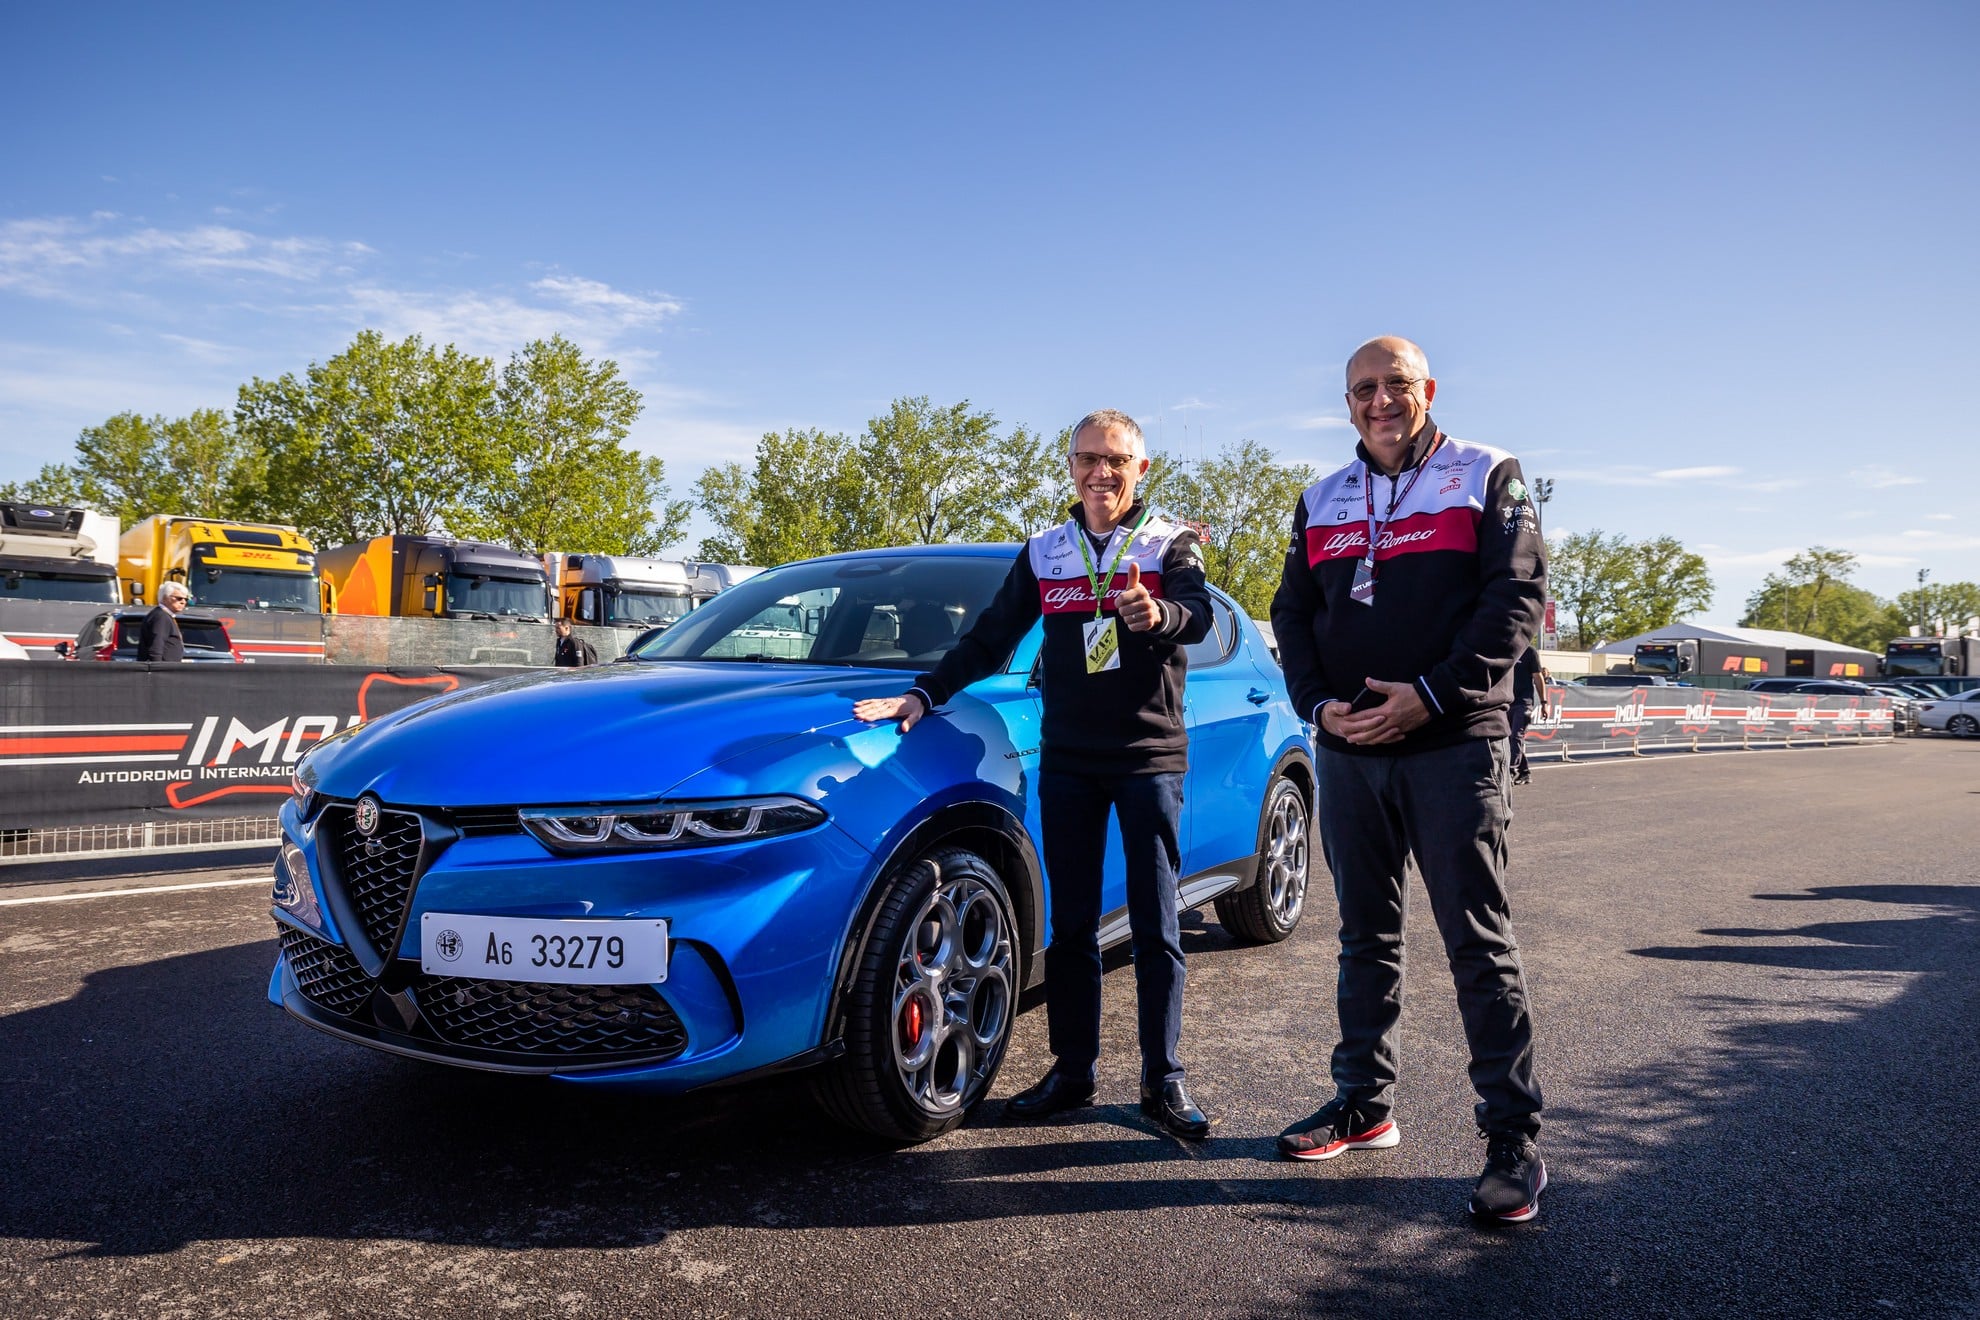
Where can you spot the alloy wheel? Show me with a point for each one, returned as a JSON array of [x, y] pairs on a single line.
[[953, 994], [1287, 857]]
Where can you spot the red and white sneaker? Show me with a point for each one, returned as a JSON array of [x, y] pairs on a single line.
[[1337, 1127], [1509, 1190]]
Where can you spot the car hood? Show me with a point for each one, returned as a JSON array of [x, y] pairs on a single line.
[[613, 733]]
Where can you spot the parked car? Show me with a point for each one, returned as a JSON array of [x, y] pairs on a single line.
[[1958, 715], [12, 650], [113, 635], [1777, 684], [1622, 680], [695, 866]]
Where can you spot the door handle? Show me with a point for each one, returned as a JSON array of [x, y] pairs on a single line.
[[1258, 696]]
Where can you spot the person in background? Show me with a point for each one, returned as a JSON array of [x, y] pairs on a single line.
[[159, 638], [1529, 691], [573, 652]]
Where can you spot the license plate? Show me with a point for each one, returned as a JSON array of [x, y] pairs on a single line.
[[563, 951]]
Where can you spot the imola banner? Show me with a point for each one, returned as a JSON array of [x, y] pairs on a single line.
[[115, 743], [1612, 719]]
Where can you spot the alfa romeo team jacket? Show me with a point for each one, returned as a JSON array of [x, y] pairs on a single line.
[[1127, 720], [1460, 585]]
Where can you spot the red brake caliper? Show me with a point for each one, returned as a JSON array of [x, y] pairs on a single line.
[[913, 1022]]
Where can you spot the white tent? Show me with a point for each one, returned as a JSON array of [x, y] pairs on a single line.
[[1674, 632]]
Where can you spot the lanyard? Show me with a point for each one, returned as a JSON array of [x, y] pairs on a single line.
[[1086, 556], [1376, 529]]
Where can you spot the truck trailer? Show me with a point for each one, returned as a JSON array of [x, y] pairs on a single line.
[[620, 591], [225, 565], [48, 552], [1927, 657], [432, 577], [1674, 658]]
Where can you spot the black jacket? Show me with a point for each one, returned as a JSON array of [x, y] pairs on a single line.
[[574, 652], [1127, 720], [159, 637], [1459, 591]]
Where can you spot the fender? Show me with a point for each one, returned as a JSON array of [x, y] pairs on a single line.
[[1027, 891]]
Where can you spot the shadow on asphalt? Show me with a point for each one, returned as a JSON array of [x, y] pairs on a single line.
[[232, 1122]]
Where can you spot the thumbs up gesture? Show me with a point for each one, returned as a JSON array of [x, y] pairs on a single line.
[[1134, 606]]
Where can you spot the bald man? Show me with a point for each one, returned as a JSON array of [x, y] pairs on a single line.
[[1415, 579]]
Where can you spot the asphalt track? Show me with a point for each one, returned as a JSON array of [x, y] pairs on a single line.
[[1755, 980]]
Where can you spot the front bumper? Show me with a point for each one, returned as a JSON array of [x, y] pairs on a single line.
[[754, 933]]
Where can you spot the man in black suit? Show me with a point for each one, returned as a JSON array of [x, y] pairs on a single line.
[[160, 638]]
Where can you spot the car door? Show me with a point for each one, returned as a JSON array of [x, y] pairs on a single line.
[[1224, 709]]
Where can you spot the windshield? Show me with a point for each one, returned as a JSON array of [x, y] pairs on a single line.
[[645, 608], [494, 597], [1901, 663], [1657, 660], [57, 586], [255, 589], [893, 612]]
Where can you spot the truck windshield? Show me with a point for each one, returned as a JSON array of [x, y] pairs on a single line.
[[644, 608], [508, 598], [1909, 663], [256, 589], [57, 586], [1657, 660]]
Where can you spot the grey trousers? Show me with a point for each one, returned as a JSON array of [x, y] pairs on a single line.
[[1448, 808]]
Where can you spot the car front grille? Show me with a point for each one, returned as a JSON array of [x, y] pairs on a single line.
[[327, 974], [477, 822], [377, 873], [566, 1022]]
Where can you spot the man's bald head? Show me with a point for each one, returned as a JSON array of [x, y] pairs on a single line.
[[1386, 348]]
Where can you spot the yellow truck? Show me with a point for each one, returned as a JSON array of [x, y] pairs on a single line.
[[431, 577], [226, 565]]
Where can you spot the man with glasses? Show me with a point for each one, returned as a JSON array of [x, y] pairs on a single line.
[[1122, 593], [1415, 579], [159, 637]]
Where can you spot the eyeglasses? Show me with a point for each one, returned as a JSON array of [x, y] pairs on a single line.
[[1397, 386], [1086, 462]]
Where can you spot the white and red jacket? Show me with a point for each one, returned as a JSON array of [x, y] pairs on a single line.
[[1127, 720], [1460, 585]]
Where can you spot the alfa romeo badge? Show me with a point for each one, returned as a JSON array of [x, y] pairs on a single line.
[[367, 815]]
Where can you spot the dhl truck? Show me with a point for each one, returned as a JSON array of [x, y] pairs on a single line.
[[226, 565], [620, 591], [432, 577], [48, 552]]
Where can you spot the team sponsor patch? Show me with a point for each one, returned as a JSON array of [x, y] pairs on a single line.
[[1517, 490], [1448, 529]]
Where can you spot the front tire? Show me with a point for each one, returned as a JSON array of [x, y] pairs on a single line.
[[1964, 726], [932, 1002], [1268, 911]]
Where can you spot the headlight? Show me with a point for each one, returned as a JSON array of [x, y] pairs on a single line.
[[294, 893], [302, 779], [668, 825]]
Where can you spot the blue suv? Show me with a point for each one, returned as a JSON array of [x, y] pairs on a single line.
[[693, 866]]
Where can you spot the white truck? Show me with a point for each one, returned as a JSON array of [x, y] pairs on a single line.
[[620, 591], [48, 552]]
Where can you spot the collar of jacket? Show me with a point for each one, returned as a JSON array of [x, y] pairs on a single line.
[[1421, 445], [1078, 512]]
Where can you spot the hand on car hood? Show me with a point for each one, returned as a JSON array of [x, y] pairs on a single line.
[[608, 734]]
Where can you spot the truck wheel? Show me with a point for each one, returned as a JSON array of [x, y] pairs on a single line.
[[1963, 725], [932, 1002], [1267, 912]]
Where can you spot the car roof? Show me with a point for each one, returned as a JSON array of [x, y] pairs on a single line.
[[965, 550]]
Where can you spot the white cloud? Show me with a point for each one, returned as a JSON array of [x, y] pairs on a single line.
[[66, 258], [1941, 517], [1694, 473], [1323, 424], [628, 309], [1878, 477], [1190, 404]]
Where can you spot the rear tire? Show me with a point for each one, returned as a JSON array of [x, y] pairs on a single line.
[[1964, 726], [932, 1001], [1269, 910]]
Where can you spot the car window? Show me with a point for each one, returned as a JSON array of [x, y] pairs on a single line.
[[204, 636], [1219, 642]]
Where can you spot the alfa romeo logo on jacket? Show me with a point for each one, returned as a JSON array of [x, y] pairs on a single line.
[[367, 815]]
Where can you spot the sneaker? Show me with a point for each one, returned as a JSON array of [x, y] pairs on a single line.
[[1338, 1126], [1509, 1190]]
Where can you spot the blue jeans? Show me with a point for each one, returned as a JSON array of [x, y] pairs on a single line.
[[1073, 810]]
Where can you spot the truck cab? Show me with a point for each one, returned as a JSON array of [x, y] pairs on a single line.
[[225, 565], [437, 578], [620, 591], [48, 552]]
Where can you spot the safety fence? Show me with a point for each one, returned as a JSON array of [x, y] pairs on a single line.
[[1592, 721]]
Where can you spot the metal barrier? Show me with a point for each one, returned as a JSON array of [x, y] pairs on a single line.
[[136, 839]]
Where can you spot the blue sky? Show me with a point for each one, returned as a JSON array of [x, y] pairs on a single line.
[[1712, 268]]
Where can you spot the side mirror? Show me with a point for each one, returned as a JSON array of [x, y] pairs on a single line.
[[67, 650], [137, 593], [1684, 664]]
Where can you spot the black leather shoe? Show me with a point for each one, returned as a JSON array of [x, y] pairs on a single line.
[[1171, 1106], [1057, 1091]]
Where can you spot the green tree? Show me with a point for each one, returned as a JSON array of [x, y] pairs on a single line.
[[945, 473], [569, 481], [1241, 501], [133, 466], [1614, 587], [806, 495], [1813, 595], [382, 438], [1950, 603], [56, 483]]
